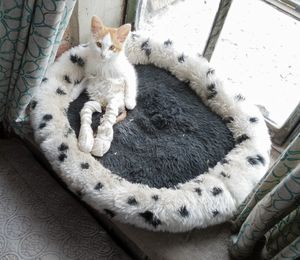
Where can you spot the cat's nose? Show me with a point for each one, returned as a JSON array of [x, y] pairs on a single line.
[[104, 55]]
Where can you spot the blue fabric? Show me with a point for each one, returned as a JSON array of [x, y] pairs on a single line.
[[30, 33]]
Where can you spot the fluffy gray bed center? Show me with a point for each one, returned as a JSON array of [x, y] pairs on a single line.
[[169, 138]]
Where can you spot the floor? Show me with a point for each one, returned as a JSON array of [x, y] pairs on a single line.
[[205, 244], [41, 220], [257, 53]]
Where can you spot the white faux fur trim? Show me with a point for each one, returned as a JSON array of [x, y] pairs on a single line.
[[224, 186]]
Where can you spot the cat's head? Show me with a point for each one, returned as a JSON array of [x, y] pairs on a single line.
[[108, 42]]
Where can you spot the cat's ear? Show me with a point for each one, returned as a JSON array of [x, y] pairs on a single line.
[[96, 25], [123, 32]]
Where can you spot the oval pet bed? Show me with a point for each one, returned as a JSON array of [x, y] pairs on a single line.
[[185, 157]]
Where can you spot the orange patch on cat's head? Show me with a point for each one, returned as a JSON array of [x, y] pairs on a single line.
[[118, 35]]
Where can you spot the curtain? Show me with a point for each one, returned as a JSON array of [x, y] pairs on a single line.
[[30, 33], [270, 215]]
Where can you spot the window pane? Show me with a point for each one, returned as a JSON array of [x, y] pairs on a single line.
[[258, 54], [186, 22]]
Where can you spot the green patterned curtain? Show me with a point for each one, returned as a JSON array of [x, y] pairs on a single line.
[[30, 33], [272, 212]]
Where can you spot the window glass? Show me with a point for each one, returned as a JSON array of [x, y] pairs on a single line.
[[187, 22], [258, 53]]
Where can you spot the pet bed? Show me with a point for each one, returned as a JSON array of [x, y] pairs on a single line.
[[184, 158]]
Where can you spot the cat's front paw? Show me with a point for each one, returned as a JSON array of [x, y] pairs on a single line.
[[103, 141], [85, 139], [130, 103]]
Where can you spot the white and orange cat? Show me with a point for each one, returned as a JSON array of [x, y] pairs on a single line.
[[110, 82]]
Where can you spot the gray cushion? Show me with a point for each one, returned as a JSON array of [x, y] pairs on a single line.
[[169, 138]]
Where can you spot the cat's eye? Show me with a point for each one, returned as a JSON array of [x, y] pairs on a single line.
[[99, 44], [112, 47]]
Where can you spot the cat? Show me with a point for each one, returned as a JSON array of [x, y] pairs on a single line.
[[110, 81]]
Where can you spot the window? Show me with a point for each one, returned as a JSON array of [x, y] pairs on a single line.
[[257, 52], [186, 22], [263, 46]]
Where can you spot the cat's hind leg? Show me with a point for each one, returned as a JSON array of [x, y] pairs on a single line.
[[86, 137], [105, 132]]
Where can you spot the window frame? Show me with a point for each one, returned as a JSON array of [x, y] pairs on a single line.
[[290, 7]]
